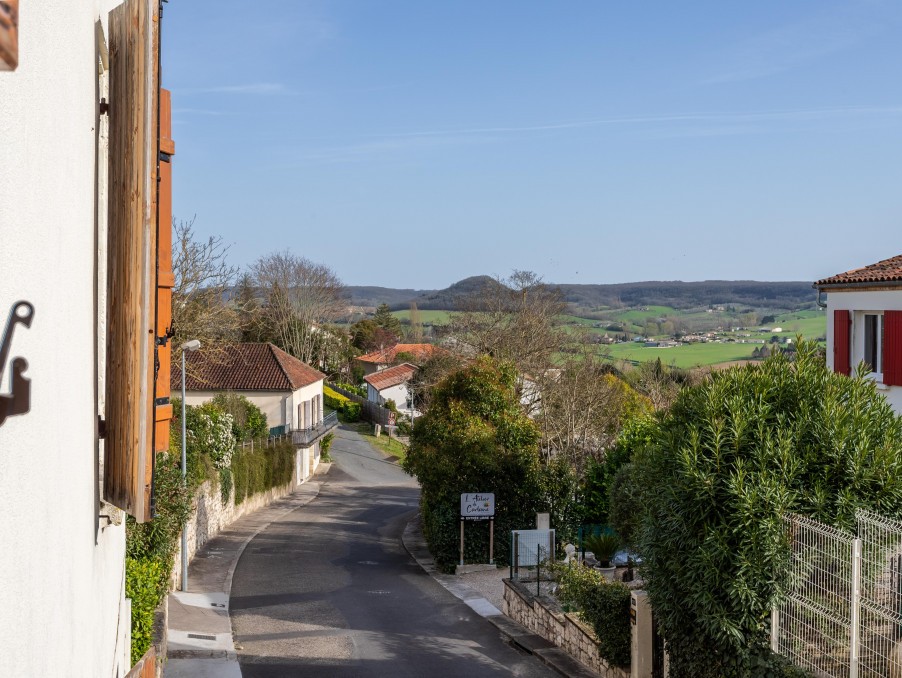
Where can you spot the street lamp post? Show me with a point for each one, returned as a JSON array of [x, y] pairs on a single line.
[[192, 345]]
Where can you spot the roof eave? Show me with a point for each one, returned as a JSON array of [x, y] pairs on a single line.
[[826, 287]]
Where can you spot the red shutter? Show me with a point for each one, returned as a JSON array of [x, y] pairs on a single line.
[[842, 323], [892, 348]]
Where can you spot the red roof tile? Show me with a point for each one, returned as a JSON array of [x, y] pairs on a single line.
[[418, 351], [888, 270], [390, 377], [243, 367]]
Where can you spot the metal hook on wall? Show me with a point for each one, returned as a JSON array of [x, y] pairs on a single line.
[[18, 401]]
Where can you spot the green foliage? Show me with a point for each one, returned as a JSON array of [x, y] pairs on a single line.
[[604, 605], [146, 582], [350, 388], [210, 433], [347, 409], [637, 433], [602, 546], [325, 445], [384, 319], [225, 484], [248, 420], [262, 468], [476, 438], [626, 504], [734, 454]]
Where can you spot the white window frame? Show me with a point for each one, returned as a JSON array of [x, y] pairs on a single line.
[[859, 341]]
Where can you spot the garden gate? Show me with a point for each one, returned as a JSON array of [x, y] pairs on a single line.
[[842, 615]]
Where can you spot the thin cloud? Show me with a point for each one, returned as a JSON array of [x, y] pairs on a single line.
[[248, 88], [721, 117]]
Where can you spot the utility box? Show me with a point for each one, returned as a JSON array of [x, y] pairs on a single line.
[[642, 665]]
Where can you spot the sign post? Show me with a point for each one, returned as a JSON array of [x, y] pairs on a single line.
[[478, 506]]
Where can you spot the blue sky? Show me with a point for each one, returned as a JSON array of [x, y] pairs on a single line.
[[412, 144]]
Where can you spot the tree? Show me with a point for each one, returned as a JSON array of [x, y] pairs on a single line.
[[300, 298], [367, 336], [583, 406], [476, 438], [384, 319], [416, 324], [203, 278], [735, 454], [512, 320]]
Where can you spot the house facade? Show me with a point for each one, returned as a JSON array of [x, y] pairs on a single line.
[[392, 384], [78, 325], [864, 324], [385, 358], [288, 391]]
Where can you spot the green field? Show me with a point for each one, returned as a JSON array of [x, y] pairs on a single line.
[[431, 317], [686, 355]]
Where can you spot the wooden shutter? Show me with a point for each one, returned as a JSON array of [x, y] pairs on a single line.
[[132, 253], [165, 277], [842, 360], [892, 348]]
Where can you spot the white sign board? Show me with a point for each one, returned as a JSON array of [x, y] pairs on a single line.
[[479, 506]]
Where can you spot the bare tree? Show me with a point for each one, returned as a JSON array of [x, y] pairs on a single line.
[[203, 278], [512, 319], [301, 297]]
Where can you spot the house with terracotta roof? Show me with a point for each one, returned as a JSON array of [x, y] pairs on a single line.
[[864, 323], [288, 391], [391, 384], [385, 358]]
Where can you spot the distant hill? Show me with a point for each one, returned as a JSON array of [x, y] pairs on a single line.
[[793, 295]]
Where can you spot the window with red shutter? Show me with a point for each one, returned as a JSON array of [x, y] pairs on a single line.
[[892, 348], [841, 332]]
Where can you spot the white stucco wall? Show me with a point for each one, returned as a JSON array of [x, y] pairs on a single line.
[[874, 300], [271, 403], [61, 566], [302, 395], [397, 393]]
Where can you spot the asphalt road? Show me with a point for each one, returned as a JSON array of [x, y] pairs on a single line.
[[329, 590]]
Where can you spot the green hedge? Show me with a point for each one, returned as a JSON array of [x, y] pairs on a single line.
[[262, 468], [146, 582], [604, 605]]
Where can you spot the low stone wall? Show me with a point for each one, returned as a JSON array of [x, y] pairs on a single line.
[[211, 515], [543, 616]]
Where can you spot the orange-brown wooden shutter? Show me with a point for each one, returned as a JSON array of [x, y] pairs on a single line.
[[842, 359], [892, 348], [165, 277], [132, 254], [9, 35]]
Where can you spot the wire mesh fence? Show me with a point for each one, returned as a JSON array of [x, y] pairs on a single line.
[[881, 596], [532, 553], [842, 613]]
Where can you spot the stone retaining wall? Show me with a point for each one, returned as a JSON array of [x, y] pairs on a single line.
[[543, 616]]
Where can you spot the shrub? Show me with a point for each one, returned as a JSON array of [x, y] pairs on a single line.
[[604, 605], [325, 445], [248, 420], [735, 454], [347, 409], [350, 411], [603, 547], [146, 582], [476, 438]]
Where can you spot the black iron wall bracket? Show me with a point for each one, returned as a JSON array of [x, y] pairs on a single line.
[[18, 400]]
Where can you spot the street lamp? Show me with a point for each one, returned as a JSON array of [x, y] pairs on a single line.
[[192, 345]]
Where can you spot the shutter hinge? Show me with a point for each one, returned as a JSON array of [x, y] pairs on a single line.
[[104, 107]]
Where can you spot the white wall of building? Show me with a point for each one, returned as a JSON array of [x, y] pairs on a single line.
[[61, 564], [874, 300], [399, 394]]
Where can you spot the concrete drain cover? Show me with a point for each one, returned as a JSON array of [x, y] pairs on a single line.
[[201, 636]]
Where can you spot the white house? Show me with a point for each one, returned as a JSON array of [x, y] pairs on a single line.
[[288, 391], [391, 384], [77, 324], [864, 323]]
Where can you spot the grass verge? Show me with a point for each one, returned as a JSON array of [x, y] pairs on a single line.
[[383, 443]]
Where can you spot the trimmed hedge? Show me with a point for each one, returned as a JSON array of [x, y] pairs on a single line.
[[146, 582], [347, 409], [262, 468]]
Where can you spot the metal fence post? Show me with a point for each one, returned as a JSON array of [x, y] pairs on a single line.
[[775, 629], [855, 635]]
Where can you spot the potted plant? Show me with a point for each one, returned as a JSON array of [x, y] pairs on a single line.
[[603, 547]]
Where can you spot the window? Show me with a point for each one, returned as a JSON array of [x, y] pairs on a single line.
[[873, 342]]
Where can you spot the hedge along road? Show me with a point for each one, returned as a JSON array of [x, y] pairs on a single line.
[[329, 590]]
